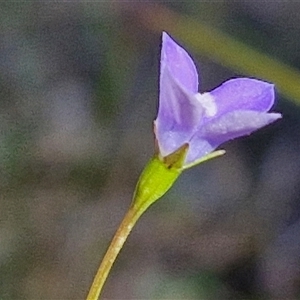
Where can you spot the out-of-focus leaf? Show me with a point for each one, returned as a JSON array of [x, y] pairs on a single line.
[[224, 49]]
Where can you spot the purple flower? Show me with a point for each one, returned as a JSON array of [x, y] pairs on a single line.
[[204, 121]]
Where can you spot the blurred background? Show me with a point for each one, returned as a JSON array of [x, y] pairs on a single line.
[[78, 95]]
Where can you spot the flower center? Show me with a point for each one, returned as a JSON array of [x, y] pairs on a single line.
[[208, 103]]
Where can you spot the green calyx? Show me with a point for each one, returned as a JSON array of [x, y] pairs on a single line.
[[158, 177], [160, 174]]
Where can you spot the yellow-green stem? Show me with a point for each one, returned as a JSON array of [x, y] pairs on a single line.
[[115, 247], [155, 180]]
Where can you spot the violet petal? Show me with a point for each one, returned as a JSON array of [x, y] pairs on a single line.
[[178, 115], [179, 112], [227, 127], [243, 94], [180, 64]]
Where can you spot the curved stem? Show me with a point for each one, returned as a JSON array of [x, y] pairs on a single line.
[[115, 247], [155, 180]]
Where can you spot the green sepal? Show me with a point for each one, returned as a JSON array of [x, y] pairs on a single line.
[[160, 174], [158, 177], [204, 158]]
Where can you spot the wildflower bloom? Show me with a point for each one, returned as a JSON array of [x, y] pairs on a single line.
[[188, 128], [204, 121]]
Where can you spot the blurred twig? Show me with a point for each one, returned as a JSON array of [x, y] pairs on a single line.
[[223, 49]]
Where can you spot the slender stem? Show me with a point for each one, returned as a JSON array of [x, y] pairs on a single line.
[[115, 247]]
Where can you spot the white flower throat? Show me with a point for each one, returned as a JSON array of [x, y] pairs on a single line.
[[208, 103]]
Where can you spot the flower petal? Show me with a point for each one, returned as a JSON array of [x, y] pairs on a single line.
[[229, 126], [198, 147], [243, 94], [178, 115], [237, 123], [180, 64]]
